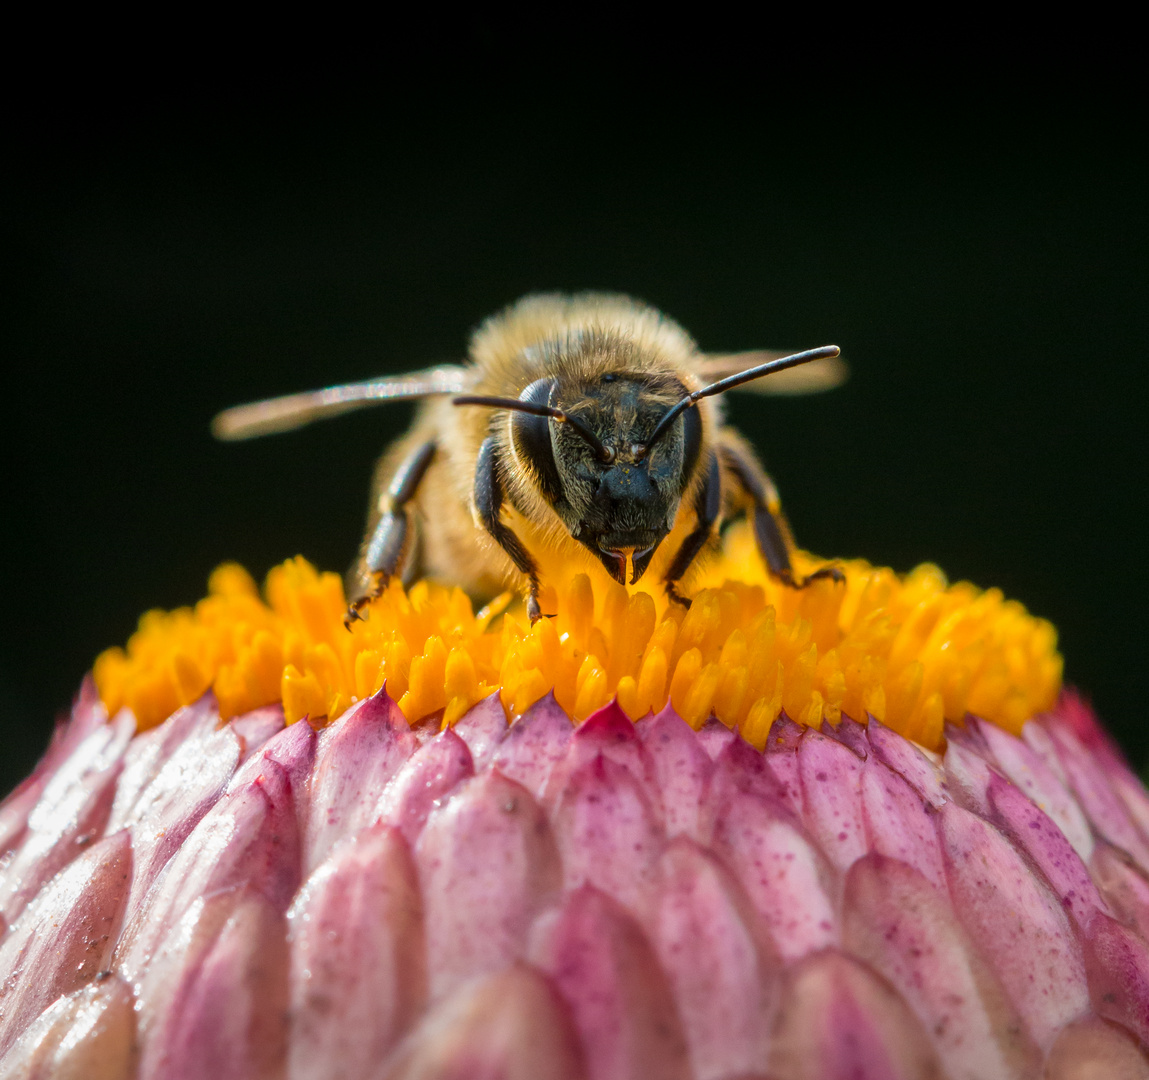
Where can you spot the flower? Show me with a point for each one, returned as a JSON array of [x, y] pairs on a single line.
[[627, 841]]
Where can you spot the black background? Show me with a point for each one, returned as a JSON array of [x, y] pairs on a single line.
[[984, 269]]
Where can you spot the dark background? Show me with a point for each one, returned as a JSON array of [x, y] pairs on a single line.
[[984, 269]]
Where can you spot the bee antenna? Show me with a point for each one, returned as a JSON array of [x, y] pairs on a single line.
[[604, 453], [749, 375]]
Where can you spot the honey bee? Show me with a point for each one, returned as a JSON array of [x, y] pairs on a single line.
[[588, 427]]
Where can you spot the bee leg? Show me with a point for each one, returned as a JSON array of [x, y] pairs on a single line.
[[707, 505], [771, 530], [383, 554], [488, 505]]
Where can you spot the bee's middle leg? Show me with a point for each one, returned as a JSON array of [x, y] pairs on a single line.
[[770, 527], [489, 504], [384, 551], [707, 505]]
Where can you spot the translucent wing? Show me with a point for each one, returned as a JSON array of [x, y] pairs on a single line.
[[811, 378], [296, 410]]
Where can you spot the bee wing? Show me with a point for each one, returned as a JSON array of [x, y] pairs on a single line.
[[296, 410], [811, 378]]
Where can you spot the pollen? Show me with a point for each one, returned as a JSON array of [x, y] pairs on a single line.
[[913, 651]]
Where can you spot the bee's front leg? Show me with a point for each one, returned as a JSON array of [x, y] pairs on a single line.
[[707, 505], [771, 529], [384, 550], [488, 505]]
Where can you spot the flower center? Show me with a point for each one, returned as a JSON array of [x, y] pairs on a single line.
[[912, 651]]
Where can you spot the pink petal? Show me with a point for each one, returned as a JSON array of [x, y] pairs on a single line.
[[607, 832], [148, 753], [710, 945], [789, 883], [1020, 928], [899, 823], [1025, 767], [356, 758], [88, 1035], [1047, 846], [248, 840], [840, 1021], [850, 733], [14, 811], [533, 744], [65, 935], [1118, 963], [487, 866], [781, 759], [173, 803], [227, 1018], [967, 777], [831, 775], [1093, 1049], [482, 728], [614, 988], [1101, 804], [508, 1026], [358, 974], [71, 812], [608, 733], [1123, 885], [682, 767], [291, 751], [257, 726], [906, 931], [907, 760], [436, 769], [714, 736]]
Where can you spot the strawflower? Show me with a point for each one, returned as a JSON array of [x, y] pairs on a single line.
[[857, 831]]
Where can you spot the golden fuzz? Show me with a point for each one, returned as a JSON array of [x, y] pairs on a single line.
[[912, 651]]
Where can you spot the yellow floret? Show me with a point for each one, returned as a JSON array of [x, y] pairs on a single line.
[[912, 651]]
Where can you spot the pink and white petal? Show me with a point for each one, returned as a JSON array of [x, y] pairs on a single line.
[[900, 925], [356, 757], [1094, 1050], [71, 812], [1048, 848], [900, 824], [290, 751], [257, 726], [831, 775], [781, 759], [1123, 885], [682, 768], [509, 1026], [615, 990], [607, 833], [533, 745], [712, 949], [790, 884], [967, 777], [1020, 927], [714, 736], [228, 1015], [426, 782], [608, 733], [1026, 768], [358, 977], [837, 1020], [482, 728], [249, 839], [488, 865], [1117, 960], [89, 1034], [64, 937], [907, 760]]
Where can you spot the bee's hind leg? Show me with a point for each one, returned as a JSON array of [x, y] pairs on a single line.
[[388, 543], [771, 530]]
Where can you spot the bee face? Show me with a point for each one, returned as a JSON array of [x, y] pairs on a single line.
[[624, 501]]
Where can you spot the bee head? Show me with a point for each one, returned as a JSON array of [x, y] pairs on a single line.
[[617, 494]]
